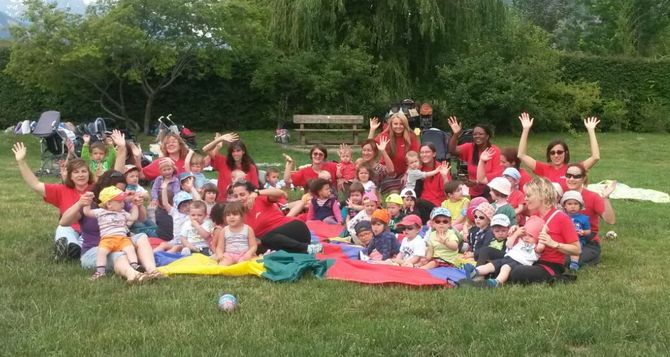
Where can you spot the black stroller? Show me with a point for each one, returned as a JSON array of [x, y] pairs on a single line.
[[166, 125], [52, 143]]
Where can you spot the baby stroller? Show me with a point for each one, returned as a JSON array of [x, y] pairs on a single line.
[[52, 143], [166, 125]]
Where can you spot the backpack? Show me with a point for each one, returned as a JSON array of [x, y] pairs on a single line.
[[440, 139]]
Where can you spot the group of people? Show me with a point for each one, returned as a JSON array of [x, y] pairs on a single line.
[[396, 200]]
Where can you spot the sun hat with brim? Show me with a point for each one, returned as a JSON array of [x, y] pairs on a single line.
[[184, 175], [394, 198], [408, 192], [486, 209], [500, 220], [371, 196], [572, 195], [501, 185], [130, 168], [476, 202], [111, 193], [181, 197], [440, 211], [410, 220], [513, 173], [533, 226]]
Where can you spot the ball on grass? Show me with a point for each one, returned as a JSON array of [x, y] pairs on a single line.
[[227, 303], [611, 235]]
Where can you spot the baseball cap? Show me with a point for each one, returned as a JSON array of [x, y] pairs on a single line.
[[500, 220], [408, 192], [111, 193], [363, 226], [440, 211], [130, 168], [513, 173], [394, 198], [410, 220], [181, 197], [572, 195], [501, 185]]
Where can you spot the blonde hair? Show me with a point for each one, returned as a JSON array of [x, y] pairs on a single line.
[[411, 155], [183, 149], [197, 159], [542, 187], [405, 134]]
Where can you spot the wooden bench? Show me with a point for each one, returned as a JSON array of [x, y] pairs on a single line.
[[347, 123]]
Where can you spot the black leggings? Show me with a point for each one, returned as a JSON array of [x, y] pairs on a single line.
[[424, 207], [590, 254], [525, 274], [488, 254], [292, 237]]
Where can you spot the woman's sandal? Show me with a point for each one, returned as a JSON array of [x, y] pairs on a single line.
[[97, 275]]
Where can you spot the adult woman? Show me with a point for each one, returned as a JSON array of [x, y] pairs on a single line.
[[508, 158], [559, 235], [90, 232], [77, 180], [471, 152], [401, 140], [595, 207], [433, 187], [275, 231], [370, 152], [301, 178], [172, 146], [237, 158], [558, 154]]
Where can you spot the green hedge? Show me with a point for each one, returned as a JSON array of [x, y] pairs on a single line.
[[635, 92]]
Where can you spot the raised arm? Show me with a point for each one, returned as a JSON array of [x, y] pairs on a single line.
[[288, 169], [134, 215], [381, 146], [453, 141], [120, 142], [526, 124], [218, 140], [374, 124], [187, 160], [481, 166], [590, 124], [29, 177], [608, 215]]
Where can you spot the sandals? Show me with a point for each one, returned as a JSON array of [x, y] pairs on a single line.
[[144, 278], [97, 275]]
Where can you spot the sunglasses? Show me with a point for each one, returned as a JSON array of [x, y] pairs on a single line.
[[317, 154], [407, 228], [556, 152], [574, 176], [442, 221], [479, 217]]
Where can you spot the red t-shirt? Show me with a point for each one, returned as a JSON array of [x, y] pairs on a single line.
[[62, 197], [433, 187], [525, 178], [594, 207], [562, 230], [152, 170], [515, 199], [554, 174], [302, 176], [490, 168], [265, 216], [219, 163], [398, 158]]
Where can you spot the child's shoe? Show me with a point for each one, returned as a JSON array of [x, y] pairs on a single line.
[[470, 271], [574, 266], [314, 248], [492, 283]]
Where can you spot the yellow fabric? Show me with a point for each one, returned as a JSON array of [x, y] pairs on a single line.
[[456, 208], [109, 193], [198, 264]]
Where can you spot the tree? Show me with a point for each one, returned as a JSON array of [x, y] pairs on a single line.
[[125, 43]]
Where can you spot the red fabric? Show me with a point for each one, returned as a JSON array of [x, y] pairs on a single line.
[[155, 242], [348, 170], [433, 187], [152, 170], [62, 197], [362, 272], [265, 216], [324, 230], [302, 176], [219, 163], [562, 230], [525, 178], [552, 173], [398, 158], [490, 168], [514, 199], [594, 207]]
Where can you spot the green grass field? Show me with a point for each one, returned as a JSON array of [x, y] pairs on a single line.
[[618, 308]]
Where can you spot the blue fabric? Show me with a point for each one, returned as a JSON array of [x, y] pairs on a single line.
[[452, 275], [164, 258]]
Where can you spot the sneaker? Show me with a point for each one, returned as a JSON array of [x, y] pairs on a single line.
[[574, 266], [492, 283], [60, 249], [185, 252], [470, 271], [314, 248], [73, 251]]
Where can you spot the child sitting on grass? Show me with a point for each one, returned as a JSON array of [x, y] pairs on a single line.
[[323, 205], [456, 203], [196, 231], [272, 179], [408, 202], [413, 247], [500, 227], [573, 203], [179, 211], [393, 205], [210, 193], [500, 189], [354, 203], [523, 249], [384, 244], [480, 235], [370, 204], [235, 241], [167, 180], [442, 242]]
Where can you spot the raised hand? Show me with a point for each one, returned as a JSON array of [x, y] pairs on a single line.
[[383, 142], [70, 146], [19, 151], [87, 138], [374, 123], [526, 120], [591, 122], [135, 149], [343, 148], [487, 154], [454, 124], [118, 138], [287, 158], [445, 168], [187, 185], [229, 137], [607, 191]]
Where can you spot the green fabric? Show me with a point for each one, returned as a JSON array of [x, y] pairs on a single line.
[[508, 211], [284, 266], [107, 163]]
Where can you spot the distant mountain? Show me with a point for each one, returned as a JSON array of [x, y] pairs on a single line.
[[5, 22]]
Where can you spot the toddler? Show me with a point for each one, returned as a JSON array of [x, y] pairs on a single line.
[[272, 179], [480, 235], [384, 244], [209, 194], [365, 175], [523, 249], [195, 163], [168, 179], [500, 227], [516, 198], [346, 170], [408, 202], [114, 222], [196, 231], [132, 175], [456, 202], [323, 205], [573, 203], [394, 204], [354, 203], [442, 242], [500, 189], [414, 172], [413, 247], [235, 241], [179, 212], [370, 204], [99, 155]]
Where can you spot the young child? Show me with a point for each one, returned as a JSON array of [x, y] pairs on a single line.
[[272, 179], [209, 194], [323, 205], [195, 163], [132, 175], [167, 179], [500, 189], [346, 170], [516, 198], [384, 244], [408, 202], [187, 184], [370, 204], [413, 247], [414, 172], [179, 211], [500, 226], [394, 204], [354, 203], [481, 234], [235, 241], [573, 203], [523, 249], [114, 222], [196, 231], [442, 242], [365, 175], [100, 156], [456, 203]]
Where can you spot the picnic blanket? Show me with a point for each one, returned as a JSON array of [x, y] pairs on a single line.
[[625, 192]]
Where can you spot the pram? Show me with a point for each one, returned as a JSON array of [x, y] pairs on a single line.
[[52, 143], [166, 125]]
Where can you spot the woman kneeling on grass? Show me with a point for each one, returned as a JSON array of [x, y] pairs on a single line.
[[90, 232]]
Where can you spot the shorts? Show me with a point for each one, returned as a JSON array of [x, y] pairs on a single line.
[[442, 263], [498, 263], [115, 243], [235, 257], [87, 260]]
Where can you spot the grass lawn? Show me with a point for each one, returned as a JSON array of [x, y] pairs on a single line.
[[618, 308]]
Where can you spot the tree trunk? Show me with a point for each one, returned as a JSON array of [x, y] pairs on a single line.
[[148, 106]]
